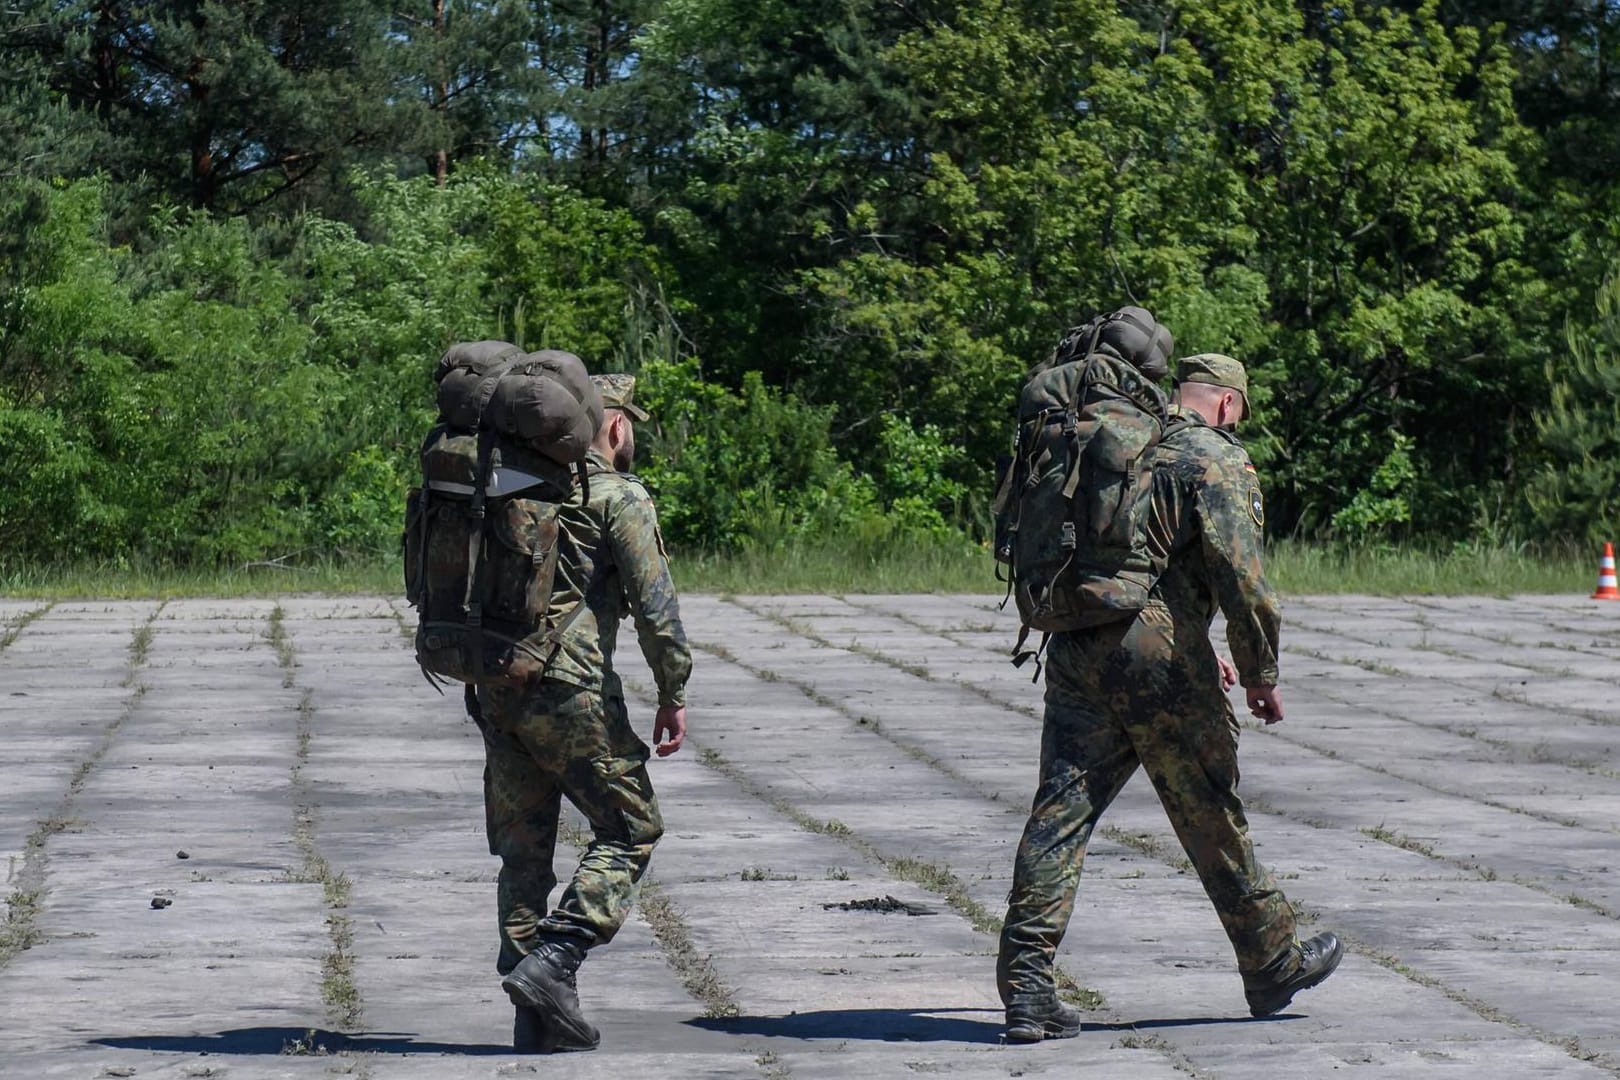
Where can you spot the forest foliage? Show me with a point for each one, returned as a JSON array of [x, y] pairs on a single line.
[[830, 235]]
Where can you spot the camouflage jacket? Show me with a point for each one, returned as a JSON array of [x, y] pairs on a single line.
[[612, 555], [1205, 527]]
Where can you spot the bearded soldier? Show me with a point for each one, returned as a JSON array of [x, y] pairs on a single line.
[[1148, 691]]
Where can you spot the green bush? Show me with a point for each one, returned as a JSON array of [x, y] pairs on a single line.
[[222, 396], [755, 468]]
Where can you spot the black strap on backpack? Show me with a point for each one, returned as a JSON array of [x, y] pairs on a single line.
[[472, 603]]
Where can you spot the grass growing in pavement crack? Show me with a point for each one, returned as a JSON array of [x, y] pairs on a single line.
[[1484, 1010], [1484, 872], [1159, 1044], [860, 720], [674, 938], [339, 992], [1400, 840], [1146, 844], [805, 631], [140, 644], [696, 972], [338, 988], [406, 630], [929, 876], [19, 931], [772, 1066], [282, 643], [20, 623]]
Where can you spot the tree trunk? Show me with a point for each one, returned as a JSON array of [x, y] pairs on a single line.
[[202, 148], [440, 161], [203, 179], [106, 76]]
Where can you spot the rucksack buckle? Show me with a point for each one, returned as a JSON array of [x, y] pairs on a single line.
[[1067, 536]]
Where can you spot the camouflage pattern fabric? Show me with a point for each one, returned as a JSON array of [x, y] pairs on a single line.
[[1204, 527], [542, 744], [1147, 692], [569, 736], [612, 556]]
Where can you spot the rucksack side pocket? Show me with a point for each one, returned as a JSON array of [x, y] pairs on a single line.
[[1113, 477], [521, 562]]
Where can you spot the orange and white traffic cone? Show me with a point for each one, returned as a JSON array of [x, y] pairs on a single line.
[[1607, 589]]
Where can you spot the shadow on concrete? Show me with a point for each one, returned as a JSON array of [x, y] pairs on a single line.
[[912, 1025], [877, 1025], [295, 1042], [1182, 1021]]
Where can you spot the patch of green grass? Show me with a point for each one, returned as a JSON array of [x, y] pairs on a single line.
[[851, 567], [1306, 569], [854, 567], [158, 582]]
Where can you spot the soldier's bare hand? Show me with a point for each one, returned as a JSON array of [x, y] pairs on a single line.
[[1228, 672], [1265, 703], [669, 729]]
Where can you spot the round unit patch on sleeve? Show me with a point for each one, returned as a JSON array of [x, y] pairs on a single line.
[[1257, 506]]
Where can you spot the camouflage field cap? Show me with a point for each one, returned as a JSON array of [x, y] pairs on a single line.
[[619, 392], [1212, 368]]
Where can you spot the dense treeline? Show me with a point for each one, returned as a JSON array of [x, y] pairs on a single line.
[[831, 234]]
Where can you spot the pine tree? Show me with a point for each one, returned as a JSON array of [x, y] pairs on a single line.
[[1577, 491], [224, 105], [466, 66]]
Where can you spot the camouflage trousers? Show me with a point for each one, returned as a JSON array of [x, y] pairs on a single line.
[[542, 744], [1147, 693]]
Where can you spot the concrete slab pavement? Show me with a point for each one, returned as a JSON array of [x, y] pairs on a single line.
[[1444, 794]]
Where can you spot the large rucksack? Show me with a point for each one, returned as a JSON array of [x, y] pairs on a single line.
[[1072, 499], [481, 530]]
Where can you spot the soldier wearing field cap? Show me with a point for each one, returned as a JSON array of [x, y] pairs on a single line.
[[1151, 692], [619, 392], [1194, 373], [571, 736]]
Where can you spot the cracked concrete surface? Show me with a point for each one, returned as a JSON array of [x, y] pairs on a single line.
[[1445, 793]]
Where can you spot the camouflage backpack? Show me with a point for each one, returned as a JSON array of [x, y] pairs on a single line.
[[1072, 499], [481, 531]]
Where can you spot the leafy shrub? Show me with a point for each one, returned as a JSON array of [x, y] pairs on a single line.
[[1381, 508], [751, 468], [914, 481]]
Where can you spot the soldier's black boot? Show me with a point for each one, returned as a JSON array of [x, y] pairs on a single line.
[[544, 982], [1270, 993], [1036, 1018], [531, 1034]]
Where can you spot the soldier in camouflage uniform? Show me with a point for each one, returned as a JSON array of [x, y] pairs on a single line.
[[570, 735], [1150, 692]]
